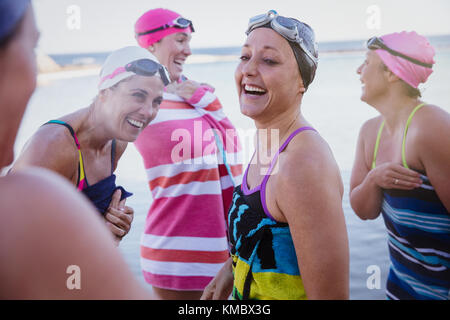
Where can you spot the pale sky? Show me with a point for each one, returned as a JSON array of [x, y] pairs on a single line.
[[69, 26]]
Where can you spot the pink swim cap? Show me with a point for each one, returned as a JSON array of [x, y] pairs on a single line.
[[154, 19], [412, 45]]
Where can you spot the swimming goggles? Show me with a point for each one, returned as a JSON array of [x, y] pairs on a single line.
[[141, 67], [180, 23], [376, 43], [288, 28]]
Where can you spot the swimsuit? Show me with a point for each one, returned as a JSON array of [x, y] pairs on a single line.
[[265, 264], [418, 227], [100, 193]]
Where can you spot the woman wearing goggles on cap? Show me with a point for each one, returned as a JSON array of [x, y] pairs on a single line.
[[286, 224], [85, 146], [401, 169], [191, 188], [47, 226]]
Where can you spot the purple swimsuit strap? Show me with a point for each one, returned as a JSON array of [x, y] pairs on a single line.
[[272, 164], [244, 186]]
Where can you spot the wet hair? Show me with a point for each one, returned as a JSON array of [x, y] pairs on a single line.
[[411, 91], [306, 66]]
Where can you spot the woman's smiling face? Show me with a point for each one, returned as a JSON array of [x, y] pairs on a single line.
[[131, 106], [372, 77], [267, 78], [172, 51]]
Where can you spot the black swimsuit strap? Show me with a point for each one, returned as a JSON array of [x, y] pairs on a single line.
[[72, 132], [68, 126], [113, 155]]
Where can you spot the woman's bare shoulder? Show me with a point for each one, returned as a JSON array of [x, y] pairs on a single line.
[[307, 157], [51, 147], [432, 116], [430, 126], [55, 135], [59, 136], [309, 179]]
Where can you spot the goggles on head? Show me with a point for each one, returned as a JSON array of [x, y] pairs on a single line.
[[180, 23], [376, 43], [141, 67], [286, 27]]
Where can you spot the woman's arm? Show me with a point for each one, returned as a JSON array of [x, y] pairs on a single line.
[[221, 286], [309, 195], [366, 185], [365, 195], [433, 143]]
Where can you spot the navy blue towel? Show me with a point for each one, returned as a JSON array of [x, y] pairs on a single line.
[[100, 194]]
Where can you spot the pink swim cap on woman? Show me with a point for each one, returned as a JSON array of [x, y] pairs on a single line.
[[153, 19], [412, 45]]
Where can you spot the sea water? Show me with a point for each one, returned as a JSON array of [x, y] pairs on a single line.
[[332, 105]]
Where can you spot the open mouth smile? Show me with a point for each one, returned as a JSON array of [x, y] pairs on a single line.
[[136, 123], [254, 90]]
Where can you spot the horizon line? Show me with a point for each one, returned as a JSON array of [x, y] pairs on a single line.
[[224, 47]]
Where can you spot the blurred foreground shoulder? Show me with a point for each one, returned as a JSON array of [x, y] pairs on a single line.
[[46, 229]]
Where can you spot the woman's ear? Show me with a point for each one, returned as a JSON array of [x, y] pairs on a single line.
[[392, 77], [102, 95], [301, 85], [302, 88], [389, 75]]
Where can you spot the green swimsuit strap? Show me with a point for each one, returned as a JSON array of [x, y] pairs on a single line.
[[406, 130], [380, 130], [377, 144]]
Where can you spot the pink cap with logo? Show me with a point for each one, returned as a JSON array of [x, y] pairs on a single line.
[[154, 19], [412, 45]]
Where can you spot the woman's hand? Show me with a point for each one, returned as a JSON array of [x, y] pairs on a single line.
[[118, 216], [366, 187], [221, 286], [391, 175]]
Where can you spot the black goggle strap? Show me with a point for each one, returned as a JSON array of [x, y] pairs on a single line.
[[272, 17], [163, 74], [376, 43], [175, 24], [293, 36]]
